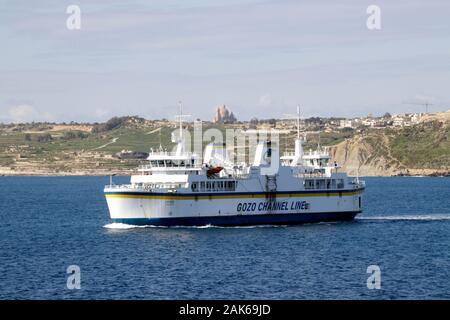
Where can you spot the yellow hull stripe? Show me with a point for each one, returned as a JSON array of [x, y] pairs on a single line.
[[208, 197]]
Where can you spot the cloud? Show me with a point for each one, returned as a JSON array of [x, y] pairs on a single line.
[[424, 99], [27, 113], [263, 56], [102, 114], [265, 100]]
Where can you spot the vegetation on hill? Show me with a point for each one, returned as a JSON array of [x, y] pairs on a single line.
[[59, 148], [117, 122], [423, 149], [426, 145]]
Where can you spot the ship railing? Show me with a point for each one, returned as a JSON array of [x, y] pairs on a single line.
[[170, 153], [148, 167], [121, 186], [311, 175], [288, 154], [146, 187], [358, 184]]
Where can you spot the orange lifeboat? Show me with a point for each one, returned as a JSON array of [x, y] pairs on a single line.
[[214, 170]]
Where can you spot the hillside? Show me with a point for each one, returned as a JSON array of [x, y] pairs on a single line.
[[423, 149], [74, 149], [91, 149]]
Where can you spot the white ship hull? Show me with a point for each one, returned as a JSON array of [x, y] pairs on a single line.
[[179, 189], [228, 209]]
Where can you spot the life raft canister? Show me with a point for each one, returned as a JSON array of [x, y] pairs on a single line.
[[214, 170]]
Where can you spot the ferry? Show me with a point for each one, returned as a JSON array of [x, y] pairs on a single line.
[[181, 189]]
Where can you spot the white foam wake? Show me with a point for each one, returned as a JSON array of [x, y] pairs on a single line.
[[124, 226], [121, 226], [418, 217]]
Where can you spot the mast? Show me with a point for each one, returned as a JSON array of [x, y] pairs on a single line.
[[180, 141], [181, 119], [298, 142]]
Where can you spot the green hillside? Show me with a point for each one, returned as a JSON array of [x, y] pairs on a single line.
[[58, 149]]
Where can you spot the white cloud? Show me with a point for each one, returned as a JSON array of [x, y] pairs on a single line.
[[27, 113], [102, 114], [423, 98], [265, 100]]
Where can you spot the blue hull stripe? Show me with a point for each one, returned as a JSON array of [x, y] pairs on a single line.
[[244, 220]]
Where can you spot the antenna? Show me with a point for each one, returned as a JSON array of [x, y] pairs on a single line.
[[424, 103], [296, 116], [318, 143], [180, 117], [181, 120]]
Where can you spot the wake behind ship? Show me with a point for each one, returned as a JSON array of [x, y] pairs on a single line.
[[177, 189]]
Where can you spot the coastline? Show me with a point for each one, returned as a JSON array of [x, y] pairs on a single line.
[[122, 173], [65, 174]]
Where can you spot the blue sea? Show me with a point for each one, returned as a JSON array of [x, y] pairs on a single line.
[[50, 223]]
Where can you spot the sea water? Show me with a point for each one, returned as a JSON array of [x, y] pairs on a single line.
[[51, 223]]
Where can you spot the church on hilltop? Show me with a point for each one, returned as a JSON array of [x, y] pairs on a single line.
[[223, 115]]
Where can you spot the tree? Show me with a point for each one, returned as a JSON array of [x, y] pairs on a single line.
[[254, 121]]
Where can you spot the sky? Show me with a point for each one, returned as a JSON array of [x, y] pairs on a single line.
[[261, 58]]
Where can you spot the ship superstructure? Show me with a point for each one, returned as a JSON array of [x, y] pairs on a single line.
[[178, 189]]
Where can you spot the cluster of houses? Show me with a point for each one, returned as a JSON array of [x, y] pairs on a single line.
[[223, 115], [398, 120], [337, 124]]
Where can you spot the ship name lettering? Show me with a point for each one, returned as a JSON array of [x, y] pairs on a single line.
[[272, 206]]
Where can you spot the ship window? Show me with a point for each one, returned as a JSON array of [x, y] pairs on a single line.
[[160, 163], [328, 183], [202, 186], [340, 183], [320, 184], [194, 186], [230, 185], [208, 186], [333, 183]]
